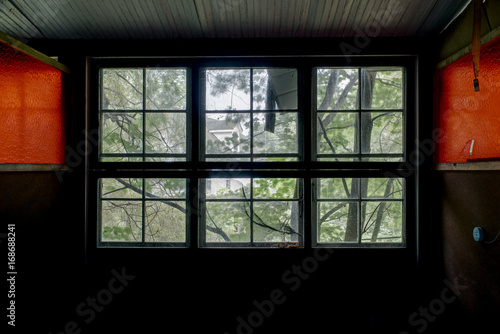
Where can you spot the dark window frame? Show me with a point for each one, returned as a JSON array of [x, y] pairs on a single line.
[[308, 170]]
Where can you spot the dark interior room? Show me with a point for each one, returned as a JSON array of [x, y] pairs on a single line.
[[250, 166]]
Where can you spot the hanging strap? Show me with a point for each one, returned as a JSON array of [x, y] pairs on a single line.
[[476, 42]]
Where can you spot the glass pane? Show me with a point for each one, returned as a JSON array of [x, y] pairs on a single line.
[[165, 133], [121, 221], [386, 132], [166, 89], [219, 188], [276, 221], [274, 89], [337, 133], [227, 222], [275, 133], [227, 89], [121, 188], [227, 133], [382, 188], [122, 89], [334, 219], [382, 89], [121, 133], [337, 188], [276, 188], [383, 222], [337, 89], [165, 188], [165, 221]]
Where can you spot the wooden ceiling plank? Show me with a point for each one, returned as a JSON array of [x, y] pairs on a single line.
[[323, 22], [417, 17], [345, 16], [370, 27], [79, 24], [337, 19], [191, 18], [16, 24], [117, 19], [304, 13], [146, 18], [205, 18]]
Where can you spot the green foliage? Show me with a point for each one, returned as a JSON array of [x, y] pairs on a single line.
[[272, 213]]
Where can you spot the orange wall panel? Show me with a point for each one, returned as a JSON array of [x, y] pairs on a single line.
[[464, 115], [31, 110]]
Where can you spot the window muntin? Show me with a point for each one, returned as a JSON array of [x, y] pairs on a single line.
[[346, 117], [143, 115]]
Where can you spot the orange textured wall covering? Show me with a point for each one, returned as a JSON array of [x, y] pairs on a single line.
[[31, 110], [464, 115]]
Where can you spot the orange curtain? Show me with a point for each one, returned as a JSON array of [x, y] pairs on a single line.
[[31, 110]]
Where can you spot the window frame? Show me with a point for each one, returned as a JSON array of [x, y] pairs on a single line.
[[307, 170]]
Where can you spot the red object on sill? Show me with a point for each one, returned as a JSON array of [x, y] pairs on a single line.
[[31, 110]]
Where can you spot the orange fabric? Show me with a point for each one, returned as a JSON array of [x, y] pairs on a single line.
[[464, 115], [31, 110]]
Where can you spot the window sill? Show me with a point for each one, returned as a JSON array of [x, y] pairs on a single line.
[[31, 167], [468, 166]]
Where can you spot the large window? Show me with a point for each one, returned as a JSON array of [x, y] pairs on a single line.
[[276, 152]]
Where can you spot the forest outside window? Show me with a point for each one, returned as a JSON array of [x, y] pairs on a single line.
[[173, 140]]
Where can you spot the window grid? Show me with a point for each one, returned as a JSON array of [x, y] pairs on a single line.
[[295, 238], [308, 192], [144, 112], [143, 201]]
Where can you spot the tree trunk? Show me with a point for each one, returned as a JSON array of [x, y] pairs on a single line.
[[381, 209], [362, 141]]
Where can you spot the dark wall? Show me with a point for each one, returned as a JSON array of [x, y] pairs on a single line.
[[206, 290]]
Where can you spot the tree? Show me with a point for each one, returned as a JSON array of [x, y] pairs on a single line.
[[277, 219]]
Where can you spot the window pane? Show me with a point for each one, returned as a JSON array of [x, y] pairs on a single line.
[[227, 89], [337, 188], [337, 89], [340, 130], [382, 188], [228, 188], [165, 221], [274, 89], [228, 222], [121, 221], [275, 133], [386, 132], [383, 222], [165, 188], [333, 219], [275, 188], [382, 89], [275, 221], [227, 133], [166, 89], [121, 133], [165, 133], [121, 188], [122, 89]]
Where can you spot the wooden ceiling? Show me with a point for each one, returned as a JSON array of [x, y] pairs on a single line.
[[166, 19]]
